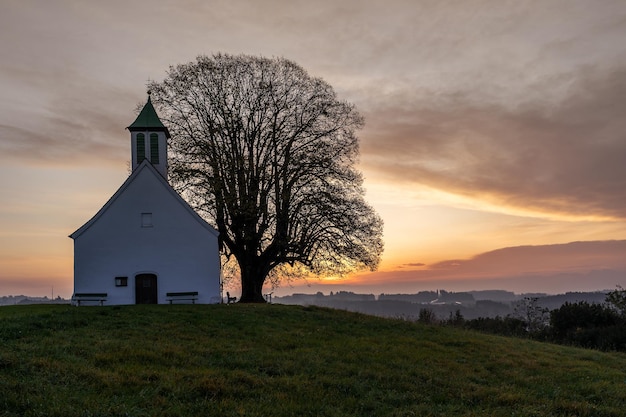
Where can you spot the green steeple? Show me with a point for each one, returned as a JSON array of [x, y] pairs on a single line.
[[148, 120]]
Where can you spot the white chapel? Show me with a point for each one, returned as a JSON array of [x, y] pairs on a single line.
[[146, 245]]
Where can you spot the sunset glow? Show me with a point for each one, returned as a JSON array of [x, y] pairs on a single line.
[[495, 133]]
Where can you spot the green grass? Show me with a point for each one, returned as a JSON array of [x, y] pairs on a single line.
[[272, 360]]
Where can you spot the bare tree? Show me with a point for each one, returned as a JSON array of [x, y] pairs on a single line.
[[617, 300], [535, 316], [267, 153]]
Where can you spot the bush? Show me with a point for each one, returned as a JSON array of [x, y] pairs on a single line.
[[455, 319], [588, 325], [507, 326], [427, 316]]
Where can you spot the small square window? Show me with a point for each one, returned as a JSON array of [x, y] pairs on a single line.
[[146, 219], [121, 281]]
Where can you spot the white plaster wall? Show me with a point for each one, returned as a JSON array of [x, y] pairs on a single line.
[[178, 248]]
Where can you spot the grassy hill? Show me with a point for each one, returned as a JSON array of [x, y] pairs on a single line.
[[272, 360]]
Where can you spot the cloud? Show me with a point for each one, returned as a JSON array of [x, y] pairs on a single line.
[[412, 265], [56, 141], [63, 119], [564, 157], [576, 266], [575, 256], [551, 283], [514, 262]]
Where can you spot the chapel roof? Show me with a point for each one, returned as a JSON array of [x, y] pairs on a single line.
[[148, 120]]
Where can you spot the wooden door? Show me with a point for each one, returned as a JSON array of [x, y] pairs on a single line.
[[146, 289]]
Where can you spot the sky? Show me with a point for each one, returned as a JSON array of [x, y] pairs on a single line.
[[494, 147]]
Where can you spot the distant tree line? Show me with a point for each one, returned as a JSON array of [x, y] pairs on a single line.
[[582, 324], [441, 303], [23, 299]]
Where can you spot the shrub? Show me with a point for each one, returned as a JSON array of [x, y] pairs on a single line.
[[505, 326], [588, 325]]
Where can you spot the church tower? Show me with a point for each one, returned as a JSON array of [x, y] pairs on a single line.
[[148, 137]]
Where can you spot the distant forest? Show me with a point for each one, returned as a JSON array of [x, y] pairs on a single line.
[[470, 304], [9, 300]]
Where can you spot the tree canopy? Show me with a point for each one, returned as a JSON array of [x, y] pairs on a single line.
[[267, 153]]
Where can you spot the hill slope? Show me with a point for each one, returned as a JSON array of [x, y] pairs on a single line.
[[272, 360]]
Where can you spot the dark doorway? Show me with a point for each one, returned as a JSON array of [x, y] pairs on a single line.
[[146, 289]]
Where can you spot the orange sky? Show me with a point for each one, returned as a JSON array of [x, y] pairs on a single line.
[[488, 125]]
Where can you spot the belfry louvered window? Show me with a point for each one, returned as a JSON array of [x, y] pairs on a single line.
[[154, 148], [141, 147]]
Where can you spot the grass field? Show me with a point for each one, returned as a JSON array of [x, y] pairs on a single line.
[[272, 360]]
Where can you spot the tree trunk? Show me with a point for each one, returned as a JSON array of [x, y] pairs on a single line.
[[251, 286]]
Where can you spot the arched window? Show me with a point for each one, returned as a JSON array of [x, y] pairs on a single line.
[[154, 148], [141, 147]]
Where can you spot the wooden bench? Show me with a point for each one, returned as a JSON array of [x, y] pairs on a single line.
[[182, 296], [99, 297]]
